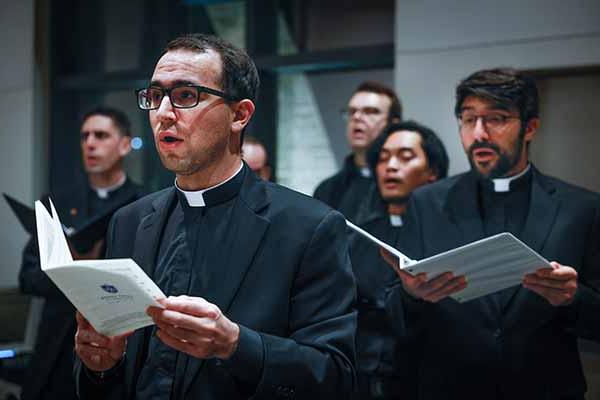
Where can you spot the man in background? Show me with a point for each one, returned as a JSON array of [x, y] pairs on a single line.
[[105, 140], [371, 107], [255, 155], [405, 156], [520, 342]]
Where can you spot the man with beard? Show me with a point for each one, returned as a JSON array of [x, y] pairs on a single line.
[[260, 287], [371, 107], [521, 342], [105, 140], [404, 157]]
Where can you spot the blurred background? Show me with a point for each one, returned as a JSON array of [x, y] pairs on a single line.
[[61, 57]]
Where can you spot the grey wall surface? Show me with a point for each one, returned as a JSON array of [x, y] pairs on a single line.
[[567, 142], [18, 145], [440, 42]]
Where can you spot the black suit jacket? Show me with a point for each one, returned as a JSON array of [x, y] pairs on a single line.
[[49, 375], [528, 350], [346, 190], [282, 272]]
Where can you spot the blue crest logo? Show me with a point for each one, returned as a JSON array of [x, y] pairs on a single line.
[[109, 288]]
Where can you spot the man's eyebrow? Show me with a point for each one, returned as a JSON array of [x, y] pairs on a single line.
[[178, 82]]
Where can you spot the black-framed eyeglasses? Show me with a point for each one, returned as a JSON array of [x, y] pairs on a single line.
[[181, 96], [491, 122]]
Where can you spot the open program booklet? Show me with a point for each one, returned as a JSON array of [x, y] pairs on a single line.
[[112, 294], [489, 265]]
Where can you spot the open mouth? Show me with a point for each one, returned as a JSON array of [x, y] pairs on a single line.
[[391, 182], [170, 139], [483, 154]]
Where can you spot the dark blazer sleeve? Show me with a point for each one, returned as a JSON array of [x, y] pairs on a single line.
[[587, 299], [319, 351], [32, 280]]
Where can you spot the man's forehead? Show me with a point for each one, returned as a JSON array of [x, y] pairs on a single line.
[[253, 150], [187, 67], [98, 122], [369, 98], [482, 103], [400, 140]]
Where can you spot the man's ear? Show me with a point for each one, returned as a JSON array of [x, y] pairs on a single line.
[[531, 129], [124, 145], [243, 111]]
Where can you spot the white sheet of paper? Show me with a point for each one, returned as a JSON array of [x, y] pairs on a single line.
[[402, 259], [112, 294], [489, 265]]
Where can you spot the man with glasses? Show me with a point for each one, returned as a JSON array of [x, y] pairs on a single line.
[[521, 342], [371, 107], [258, 276], [105, 140]]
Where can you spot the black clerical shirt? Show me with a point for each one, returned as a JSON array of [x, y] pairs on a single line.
[[505, 211], [181, 268]]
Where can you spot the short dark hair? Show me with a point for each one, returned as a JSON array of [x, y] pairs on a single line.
[[239, 77], [506, 87], [437, 158], [118, 117], [395, 113]]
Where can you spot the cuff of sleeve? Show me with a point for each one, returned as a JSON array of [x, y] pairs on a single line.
[[586, 306], [246, 363]]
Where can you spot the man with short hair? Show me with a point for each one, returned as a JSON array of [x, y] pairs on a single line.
[[371, 107], [521, 342], [105, 140], [258, 276], [255, 155], [405, 156]]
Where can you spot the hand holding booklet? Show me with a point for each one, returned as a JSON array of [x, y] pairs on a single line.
[[112, 294], [489, 265]]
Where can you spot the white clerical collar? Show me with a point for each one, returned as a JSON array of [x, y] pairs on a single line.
[[396, 220], [196, 198], [103, 192], [365, 172], [503, 184]]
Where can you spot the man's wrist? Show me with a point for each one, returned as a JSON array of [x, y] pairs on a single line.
[[232, 348]]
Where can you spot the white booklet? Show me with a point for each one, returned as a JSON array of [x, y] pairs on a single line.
[[112, 294], [489, 265]]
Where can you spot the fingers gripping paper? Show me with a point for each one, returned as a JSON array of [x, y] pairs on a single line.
[[489, 265], [111, 294]]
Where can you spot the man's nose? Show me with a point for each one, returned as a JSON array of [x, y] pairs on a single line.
[[90, 140], [393, 164], [480, 132], [165, 110]]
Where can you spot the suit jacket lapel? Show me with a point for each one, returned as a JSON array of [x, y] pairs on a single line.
[[148, 233], [145, 251], [231, 257], [462, 208], [543, 209]]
